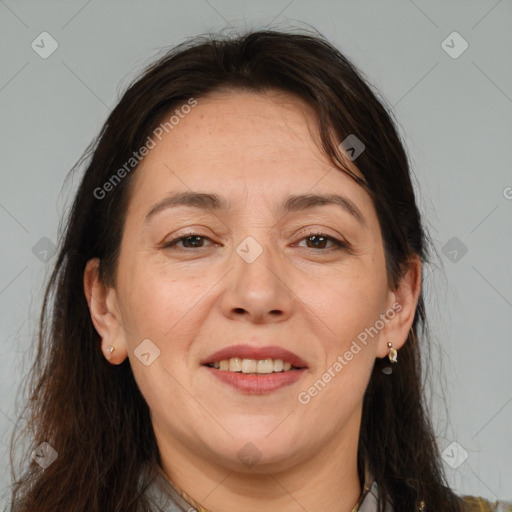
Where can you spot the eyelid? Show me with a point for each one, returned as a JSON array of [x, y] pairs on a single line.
[[339, 243], [177, 239], [323, 231]]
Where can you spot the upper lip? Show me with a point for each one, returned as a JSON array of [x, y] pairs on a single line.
[[252, 352]]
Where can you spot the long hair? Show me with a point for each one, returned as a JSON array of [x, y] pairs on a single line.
[[93, 414]]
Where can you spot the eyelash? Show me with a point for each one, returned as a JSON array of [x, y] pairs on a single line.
[[338, 244]]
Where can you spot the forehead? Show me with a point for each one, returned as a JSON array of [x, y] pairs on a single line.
[[244, 142], [253, 127]]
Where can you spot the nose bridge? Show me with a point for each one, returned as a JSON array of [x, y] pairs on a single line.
[[256, 262], [256, 287]]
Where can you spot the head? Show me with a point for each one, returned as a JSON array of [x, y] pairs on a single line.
[[222, 205]]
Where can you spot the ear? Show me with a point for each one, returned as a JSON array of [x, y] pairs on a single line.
[[105, 315], [403, 302]]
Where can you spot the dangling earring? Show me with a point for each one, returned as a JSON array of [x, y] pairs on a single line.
[[393, 352]]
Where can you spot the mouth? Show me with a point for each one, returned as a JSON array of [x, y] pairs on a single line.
[[253, 366], [255, 370], [257, 360]]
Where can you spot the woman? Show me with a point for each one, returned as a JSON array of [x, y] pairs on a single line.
[[236, 306]]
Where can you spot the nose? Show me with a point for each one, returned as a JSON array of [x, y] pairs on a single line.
[[258, 291]]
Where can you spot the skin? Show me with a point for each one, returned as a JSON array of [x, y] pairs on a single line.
[[255, 150]]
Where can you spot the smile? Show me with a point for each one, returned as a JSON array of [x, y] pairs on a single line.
[[253, 366], [255, 383]]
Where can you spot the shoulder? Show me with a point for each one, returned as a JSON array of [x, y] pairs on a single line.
[[158, 493], [479, 504]]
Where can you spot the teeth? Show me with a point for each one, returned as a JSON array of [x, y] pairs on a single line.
[[236, 364], [249, 365], [265, 366]]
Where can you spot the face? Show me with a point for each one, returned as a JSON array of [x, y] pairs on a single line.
[[253, 271]]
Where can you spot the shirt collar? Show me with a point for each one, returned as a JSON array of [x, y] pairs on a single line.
[[168, 497]]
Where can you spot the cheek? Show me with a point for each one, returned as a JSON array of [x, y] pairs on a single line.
[[165, 310], [339, 390], [346, 303], [169, 311], [158, 303], [335, 392]]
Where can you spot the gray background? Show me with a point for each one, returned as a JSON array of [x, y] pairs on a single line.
[[454, 115]]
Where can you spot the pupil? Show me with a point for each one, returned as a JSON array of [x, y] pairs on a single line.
[[196, 237], [323, 240]]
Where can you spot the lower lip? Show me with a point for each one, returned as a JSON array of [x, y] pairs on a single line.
[[261, 384]]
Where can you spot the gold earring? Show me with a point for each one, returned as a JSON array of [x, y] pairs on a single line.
[[111, 350], [393, 352]]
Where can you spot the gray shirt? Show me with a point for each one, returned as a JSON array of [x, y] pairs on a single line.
[[163, 497]]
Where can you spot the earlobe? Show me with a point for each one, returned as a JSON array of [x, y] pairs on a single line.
[[110, 350], [104, 313]]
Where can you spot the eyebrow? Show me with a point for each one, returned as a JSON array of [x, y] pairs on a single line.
[[292, 203]]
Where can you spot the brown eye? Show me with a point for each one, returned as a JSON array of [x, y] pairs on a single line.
[[320, 240], [189, 241]]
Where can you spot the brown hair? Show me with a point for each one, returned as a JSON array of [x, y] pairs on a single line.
[[92, 413]]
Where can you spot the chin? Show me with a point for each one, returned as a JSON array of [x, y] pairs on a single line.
[[257, 454]]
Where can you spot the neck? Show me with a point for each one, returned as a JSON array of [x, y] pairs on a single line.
[[326, 480]]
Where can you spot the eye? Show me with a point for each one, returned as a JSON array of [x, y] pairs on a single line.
[[319, 241], [192, 241]]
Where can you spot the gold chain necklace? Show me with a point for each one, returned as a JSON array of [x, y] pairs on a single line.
[[199, 508], [368, 482]]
